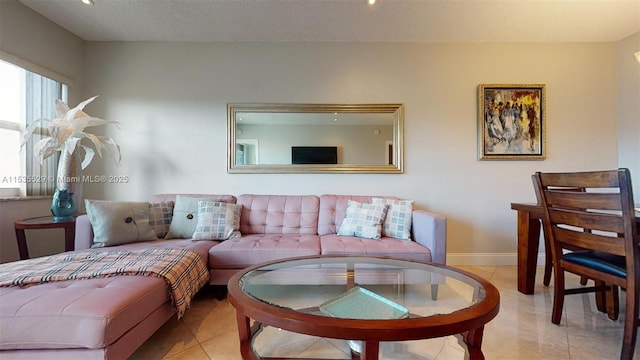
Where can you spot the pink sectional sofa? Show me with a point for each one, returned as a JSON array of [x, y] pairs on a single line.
[[109, 318]]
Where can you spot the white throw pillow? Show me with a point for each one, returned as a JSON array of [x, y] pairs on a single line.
[[363, 220], [397, 223], [119, 222], [185, 216], [217, 221]]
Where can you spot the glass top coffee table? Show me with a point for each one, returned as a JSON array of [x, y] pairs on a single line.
[[343, 307]]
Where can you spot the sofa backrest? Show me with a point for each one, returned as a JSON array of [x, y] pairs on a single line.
[[333, 209], [230, 199], [279, 214]]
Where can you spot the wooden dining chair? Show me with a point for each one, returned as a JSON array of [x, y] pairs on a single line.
[[601, 221], [548, 260]]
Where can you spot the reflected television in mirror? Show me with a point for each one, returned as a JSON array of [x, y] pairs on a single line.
[[362, 138], [306, 155]]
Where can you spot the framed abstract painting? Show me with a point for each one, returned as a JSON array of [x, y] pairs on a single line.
[[511, 122]]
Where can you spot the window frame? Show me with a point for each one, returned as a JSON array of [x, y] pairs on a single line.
[[29, 164]]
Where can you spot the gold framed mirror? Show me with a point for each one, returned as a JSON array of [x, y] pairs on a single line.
[[315, 138]]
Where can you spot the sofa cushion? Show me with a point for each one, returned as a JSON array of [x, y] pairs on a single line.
[[217, 221], [119, 222], [363, 220], [397, 222], [333, 209], [279, 214], [257, 248], [386, 246], [77, 313]]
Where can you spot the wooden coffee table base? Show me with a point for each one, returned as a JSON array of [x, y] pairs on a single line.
[[472, 339], [254, 313]]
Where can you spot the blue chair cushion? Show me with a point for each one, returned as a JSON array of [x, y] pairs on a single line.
[[608, 263]]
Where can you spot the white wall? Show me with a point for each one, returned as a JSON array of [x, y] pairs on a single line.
[[628, 79], [171, 99], [48, 49], [27, 35]]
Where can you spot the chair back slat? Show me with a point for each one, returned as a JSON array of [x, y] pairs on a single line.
[[588, 220], [572, 238], [583, 200], [592, 179]]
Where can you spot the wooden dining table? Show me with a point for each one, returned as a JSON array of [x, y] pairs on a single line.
[[529, 223]]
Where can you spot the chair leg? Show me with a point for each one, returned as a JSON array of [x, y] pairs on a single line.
[[601, 296], [630, 324], [607, 301], [558, 295], [548, 262], [547, 274], [613, 303]]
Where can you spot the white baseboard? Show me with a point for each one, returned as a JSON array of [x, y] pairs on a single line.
[[487, 259]]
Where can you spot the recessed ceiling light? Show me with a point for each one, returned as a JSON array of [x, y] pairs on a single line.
[[372, 2], [87, 2]]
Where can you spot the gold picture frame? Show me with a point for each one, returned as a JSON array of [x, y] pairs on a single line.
[[512, 121]]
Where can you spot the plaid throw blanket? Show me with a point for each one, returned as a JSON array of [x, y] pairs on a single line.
[[183, 270]]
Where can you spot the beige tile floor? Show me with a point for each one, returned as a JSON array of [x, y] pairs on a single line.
[[522, 329]]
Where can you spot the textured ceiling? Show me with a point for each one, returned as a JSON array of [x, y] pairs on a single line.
[[346, 20]]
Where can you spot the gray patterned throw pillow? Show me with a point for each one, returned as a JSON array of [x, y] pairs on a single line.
[[363, 220], [397, 223], [217, 221], [160, 214]]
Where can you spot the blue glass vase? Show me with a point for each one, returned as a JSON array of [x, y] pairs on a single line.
[[62, 205], [68, 187]]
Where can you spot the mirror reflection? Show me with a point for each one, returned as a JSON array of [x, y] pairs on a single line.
[[301, 138]]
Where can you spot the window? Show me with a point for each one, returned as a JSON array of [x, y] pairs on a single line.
[[25, 97]]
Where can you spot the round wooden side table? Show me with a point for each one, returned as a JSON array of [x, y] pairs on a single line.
[[44, 222]]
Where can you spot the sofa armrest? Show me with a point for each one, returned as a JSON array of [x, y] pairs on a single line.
[[84, 233], [430, 230]]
